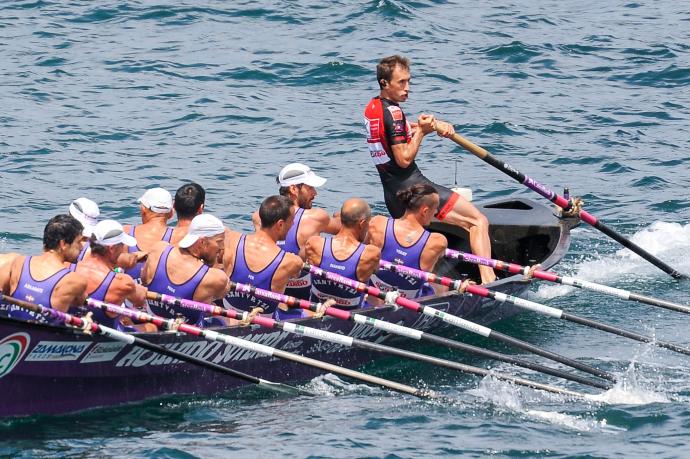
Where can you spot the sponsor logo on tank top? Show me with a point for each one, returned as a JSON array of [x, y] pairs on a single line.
[[338, 267], [33, 288]]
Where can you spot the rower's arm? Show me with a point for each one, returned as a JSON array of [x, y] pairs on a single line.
[[435, 248], [369, 263]]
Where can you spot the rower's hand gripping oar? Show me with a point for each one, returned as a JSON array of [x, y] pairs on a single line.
[[349, 341], [92, 327], [563, 203], [565, 280], [262, 349], [392, 297], [530, 306], [412, 333]]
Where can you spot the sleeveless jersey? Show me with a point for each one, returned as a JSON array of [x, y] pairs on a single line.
[[82, 254], [393, 251], [99, 294], [135, 271], [262, 279], [161, 283], [33, 291], [322, 289], [299, 287]]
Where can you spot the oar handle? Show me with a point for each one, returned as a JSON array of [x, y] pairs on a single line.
[[563, 203]]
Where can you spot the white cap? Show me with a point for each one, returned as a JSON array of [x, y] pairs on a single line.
[[203, 225], [87, 212], [110, 232], [297, 173], [158, 200]]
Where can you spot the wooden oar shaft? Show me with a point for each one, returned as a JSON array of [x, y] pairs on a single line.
[[566, 280], [562, 203], [262, 349], [458, 322]]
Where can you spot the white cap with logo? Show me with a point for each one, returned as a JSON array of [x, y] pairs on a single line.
[[110, 232], [298, 173], [203, 225], [86, 212], [158, 200]]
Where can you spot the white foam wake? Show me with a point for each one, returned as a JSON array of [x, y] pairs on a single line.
[[668, 241]]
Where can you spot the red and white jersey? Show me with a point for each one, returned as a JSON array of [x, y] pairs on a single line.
[[386, 125]]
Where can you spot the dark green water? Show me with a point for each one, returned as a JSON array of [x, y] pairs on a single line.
[[106, 99]]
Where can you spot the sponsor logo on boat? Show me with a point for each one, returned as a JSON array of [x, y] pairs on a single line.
[[296, 283], [12, 349], [57, 351], [103, 352], [215, 352]]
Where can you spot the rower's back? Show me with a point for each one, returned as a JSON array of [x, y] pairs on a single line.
[[405, 241], [257, 260], [156, 208]]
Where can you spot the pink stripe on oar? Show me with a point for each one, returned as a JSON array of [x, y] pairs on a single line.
[[588, 218], [337, 313], [409, 304], [561, 202], [545, 275]]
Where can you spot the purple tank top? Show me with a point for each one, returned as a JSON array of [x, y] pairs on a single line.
[[261, 279], [82, 254], [161, 283], [299, 287], [322, 289], [135, 271], [99, 294], [410, 256], [33, 291]]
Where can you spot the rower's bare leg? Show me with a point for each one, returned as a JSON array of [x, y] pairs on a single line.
[[465, 215]]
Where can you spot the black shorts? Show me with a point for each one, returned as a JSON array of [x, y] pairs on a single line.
[[392, 184]]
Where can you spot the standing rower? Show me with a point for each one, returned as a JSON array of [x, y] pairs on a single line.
[[156, 208], [44, 279], [189, 202], [257, 259], [108, 240], [187, 270], [406, 241], [345, 254], [299, 183], [393, 146]]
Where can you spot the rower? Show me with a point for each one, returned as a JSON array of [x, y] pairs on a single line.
[[393, 146], [299, 183], [108, 240], [186, 271], [257, 259], [86, 212], [156, 209], [345, 254], [44, 279], [406, 241], [189, 202]]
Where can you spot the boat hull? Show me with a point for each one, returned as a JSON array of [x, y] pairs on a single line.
[[52, 370]]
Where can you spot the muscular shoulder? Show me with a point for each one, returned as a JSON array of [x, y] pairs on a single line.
[[371, 252], [319, 216], [292, 264], [76, 283], [124, 284], [313, 248], [377, 228], [437, 241], [217, 281]]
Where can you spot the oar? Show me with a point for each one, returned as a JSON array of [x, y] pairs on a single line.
[[565, 280], [394, 297], [531, 306], [563, 203], [412, 333], [131, 339], [269, 351], [347, 341]]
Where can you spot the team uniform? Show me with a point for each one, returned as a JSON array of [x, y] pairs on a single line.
[[135, 271], [393, 251], [161, 283], [260, 279], [386, 125], [33, 291], [324, 289], [299, 287]]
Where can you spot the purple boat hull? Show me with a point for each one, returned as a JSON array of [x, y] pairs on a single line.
[[53, 370]]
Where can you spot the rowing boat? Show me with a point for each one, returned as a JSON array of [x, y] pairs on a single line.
[[47, 369]]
